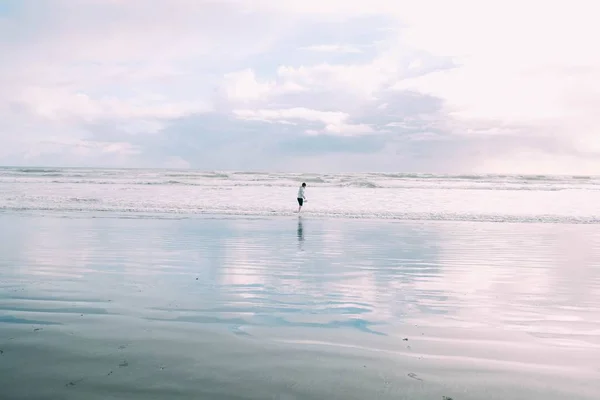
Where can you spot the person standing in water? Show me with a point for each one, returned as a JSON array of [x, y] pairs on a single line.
[[301, 197]]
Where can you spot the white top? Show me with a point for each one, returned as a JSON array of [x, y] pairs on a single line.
[[301, 192]]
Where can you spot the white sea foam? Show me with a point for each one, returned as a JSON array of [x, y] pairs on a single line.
[[554, 199]]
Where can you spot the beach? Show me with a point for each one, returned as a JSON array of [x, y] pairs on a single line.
[[110, 301], [297, 308]]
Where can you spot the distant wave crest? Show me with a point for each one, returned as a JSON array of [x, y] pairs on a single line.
[[362, 184], [37, 170]]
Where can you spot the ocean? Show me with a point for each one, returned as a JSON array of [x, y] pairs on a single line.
[[165, 284], [494, 198]]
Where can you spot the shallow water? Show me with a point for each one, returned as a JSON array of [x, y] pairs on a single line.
[[100, 306], [490, 198]]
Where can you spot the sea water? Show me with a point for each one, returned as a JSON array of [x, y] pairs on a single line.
[[571, 199]]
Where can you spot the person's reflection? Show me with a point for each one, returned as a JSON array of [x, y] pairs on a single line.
[[300, 234]]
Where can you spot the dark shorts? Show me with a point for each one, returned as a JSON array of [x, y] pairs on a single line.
[[300, 201]]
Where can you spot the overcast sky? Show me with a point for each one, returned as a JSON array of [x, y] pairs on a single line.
[[450, 86]]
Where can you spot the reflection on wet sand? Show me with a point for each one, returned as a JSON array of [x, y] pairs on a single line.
[[300, 232], [229, 308]]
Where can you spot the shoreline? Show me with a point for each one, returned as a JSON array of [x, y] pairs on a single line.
[[175, 215]]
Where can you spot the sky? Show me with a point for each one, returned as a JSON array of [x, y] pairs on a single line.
[[435, 86]]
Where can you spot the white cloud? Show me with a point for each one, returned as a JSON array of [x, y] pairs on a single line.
[[349, 129], [243, 86], [331, 9], [85, 152], [514, 65], [362, 81], [332, 48], [523, 69], [517, 68], [333, 121], [60, 104], [132, 66], [299, 113], [353, 84]]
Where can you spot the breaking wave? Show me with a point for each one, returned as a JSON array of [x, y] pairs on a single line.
[[361, 184], [359, 180], [37, 170]]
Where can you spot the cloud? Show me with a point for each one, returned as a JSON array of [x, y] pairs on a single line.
[[328, 144], [243, 86], [530, 80], [423, 85], [327, 117], [334, 121], [60, 105], [332, 48], [79, 152], [329, 9], [517, 75]]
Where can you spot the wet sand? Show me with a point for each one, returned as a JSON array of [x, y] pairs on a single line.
[[100, 307]]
